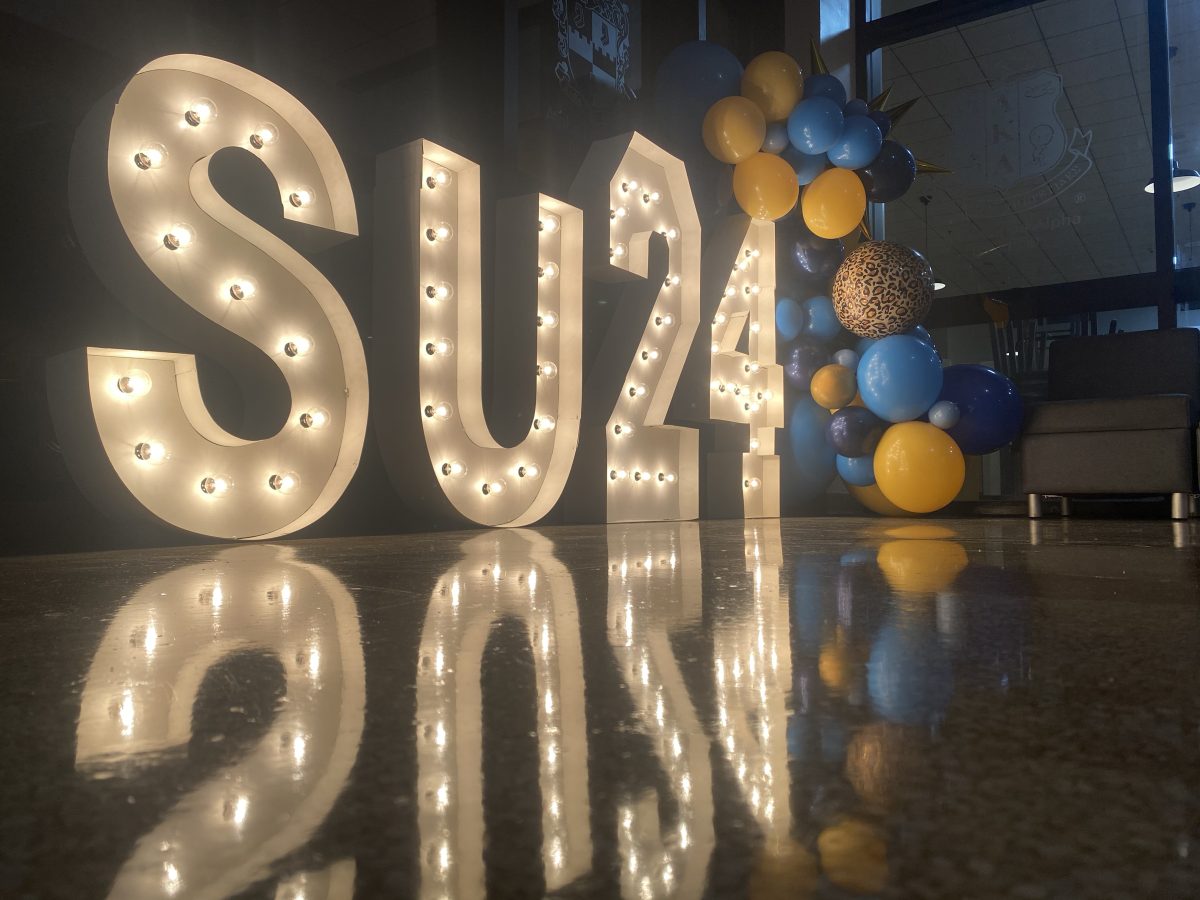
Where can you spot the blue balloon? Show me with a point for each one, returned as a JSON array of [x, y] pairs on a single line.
[[909, 675], [814, 458], [882, 119], [989, 406], [856, 108], [815, 125], [944, 414], [921, 333], [858, 144], [864, 344], [847, 358], [776, 140], [806, 165], [814, 257], [789, 318], [900, 377], [821, 322], [826, 86], [854, 431], [857, 470], [806, 357]]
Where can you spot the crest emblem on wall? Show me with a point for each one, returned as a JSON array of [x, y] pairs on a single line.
[[1010, 138]]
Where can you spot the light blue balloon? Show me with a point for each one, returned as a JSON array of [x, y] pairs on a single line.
[[900, 377], [825, 86], [789, 318], [776, 140], [856, 108], [858, 144], [813, 457], [944, 414], [909, 675], [847, 358], [821, 321], [807, 166], [815, 125], [857, 470]]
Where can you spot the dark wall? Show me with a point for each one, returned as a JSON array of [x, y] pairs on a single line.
[[376, 75]]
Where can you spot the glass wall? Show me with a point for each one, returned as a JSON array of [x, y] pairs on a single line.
[[1043, 116]]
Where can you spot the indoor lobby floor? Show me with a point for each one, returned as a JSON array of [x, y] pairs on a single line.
[[807, 708]]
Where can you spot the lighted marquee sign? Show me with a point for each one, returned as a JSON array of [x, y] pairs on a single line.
[[156, 431], [227, 833], [158, 436], [638, 190], [748, 387]]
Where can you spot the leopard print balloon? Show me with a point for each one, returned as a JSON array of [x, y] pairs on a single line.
[[882, 288]]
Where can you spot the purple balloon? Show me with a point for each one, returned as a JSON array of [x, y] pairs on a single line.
[[814, 257], [804, 359], [854, 431]]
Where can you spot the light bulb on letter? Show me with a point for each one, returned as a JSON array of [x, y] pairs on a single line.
[[440, 347], [135, 383], [549, 223], [150, 451], [493, 487], [548, 272], [301, 197], [264, 135], [200, 111], [150, 156], [439, 177], [284, 482], [529, 471], [544, 423], [618, 251], [440, 233], [214, 485], [314, 418], [547, 370], [453, 469], [441, 410], [180, 236], [438, 292], [297, 346], [547, 320], [241, 288]]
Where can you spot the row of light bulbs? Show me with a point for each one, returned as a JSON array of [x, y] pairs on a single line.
[[641, 475]]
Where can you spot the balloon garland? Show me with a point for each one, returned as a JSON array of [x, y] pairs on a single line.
[[881, 413]]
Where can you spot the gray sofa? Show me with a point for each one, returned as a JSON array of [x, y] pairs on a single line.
[[1121, 419]]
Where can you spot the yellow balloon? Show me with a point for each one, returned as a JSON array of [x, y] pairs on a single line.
[[734, 129], [834, 203], [854, 856], [765, 186], [833, 386], [919, 467], [921, 566], [872, 498], [773, 81]]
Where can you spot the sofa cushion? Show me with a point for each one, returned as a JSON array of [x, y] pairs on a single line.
[[1116, 414]]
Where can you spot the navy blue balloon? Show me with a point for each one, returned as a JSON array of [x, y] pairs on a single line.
[[807, 166], [776, 140], [826, 86], [882, 119], [814, 257], [807, 355], [900, 377], [789, 318], [989, 406], [856, 108], [864, 344], [890, 174], [815, 125], [814, 458], [821, 321], [921, 333], [858, 144], [857, 470], [854, 431]]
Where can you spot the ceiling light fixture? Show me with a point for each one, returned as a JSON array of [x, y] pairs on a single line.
[[926, 199], [1181, 179]]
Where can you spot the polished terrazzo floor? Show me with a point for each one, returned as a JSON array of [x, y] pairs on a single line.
[[809, 708]]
